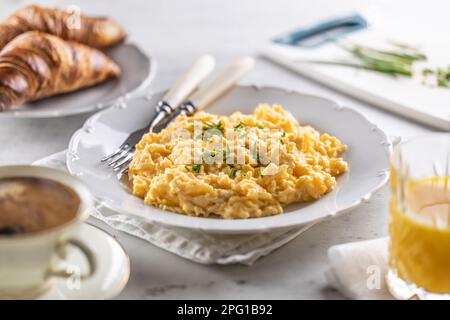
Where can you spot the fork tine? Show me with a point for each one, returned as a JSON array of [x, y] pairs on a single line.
[[124, 167], [123, 161], [124, 170], [120, 157], [115, 153]]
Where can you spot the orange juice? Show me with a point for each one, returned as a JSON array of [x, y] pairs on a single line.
[[420, 233]]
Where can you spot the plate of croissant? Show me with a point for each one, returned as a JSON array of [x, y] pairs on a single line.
[[53, 63]]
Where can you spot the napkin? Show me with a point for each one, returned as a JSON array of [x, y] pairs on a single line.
[[358, 269], [193, 245]]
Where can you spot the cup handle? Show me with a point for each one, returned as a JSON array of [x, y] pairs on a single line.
[[88, 254]]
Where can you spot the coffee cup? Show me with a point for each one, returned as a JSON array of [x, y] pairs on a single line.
[[37, 228]]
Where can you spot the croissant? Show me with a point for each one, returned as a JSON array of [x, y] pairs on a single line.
[[36, 65], [98, 32]]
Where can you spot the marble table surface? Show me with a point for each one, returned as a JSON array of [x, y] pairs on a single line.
[[176, 32]]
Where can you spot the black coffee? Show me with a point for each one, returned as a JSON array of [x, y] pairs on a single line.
[[29, 204]]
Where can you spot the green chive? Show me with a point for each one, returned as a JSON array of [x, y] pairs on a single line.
[[214, 126], [233, 172], [238, 126], [255, 153], [427, 72]]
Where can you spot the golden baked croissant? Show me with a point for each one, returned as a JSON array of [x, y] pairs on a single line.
[[36, 65], [98, 32]]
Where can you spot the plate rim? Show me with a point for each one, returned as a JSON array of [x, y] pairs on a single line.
[[226, 229], [152, 69]]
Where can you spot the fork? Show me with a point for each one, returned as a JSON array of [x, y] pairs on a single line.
[[185, 85], [209, 92], [204, 96]]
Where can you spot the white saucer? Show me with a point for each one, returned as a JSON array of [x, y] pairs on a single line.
[[111, 276]]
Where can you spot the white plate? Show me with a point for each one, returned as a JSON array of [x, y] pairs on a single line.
[[367, 156], [110, 277], [138, 70]]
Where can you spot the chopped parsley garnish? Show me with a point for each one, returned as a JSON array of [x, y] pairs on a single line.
[[209, 157], [255, 153], [214, 126], [261, 127], [239, 126], [212, 129], [233, 172], [282, 136], [195, 168]]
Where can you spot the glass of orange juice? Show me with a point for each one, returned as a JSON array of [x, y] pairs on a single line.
[[419, 228]]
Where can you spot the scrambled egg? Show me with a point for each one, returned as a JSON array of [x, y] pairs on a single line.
[[237, 166]]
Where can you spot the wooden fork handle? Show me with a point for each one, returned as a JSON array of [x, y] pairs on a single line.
[[189, 81], [221, 83]]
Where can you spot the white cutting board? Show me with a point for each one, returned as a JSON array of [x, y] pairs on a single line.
[[401, 95]]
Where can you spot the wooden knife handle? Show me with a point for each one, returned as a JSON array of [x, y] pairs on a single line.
[[217, 86]]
